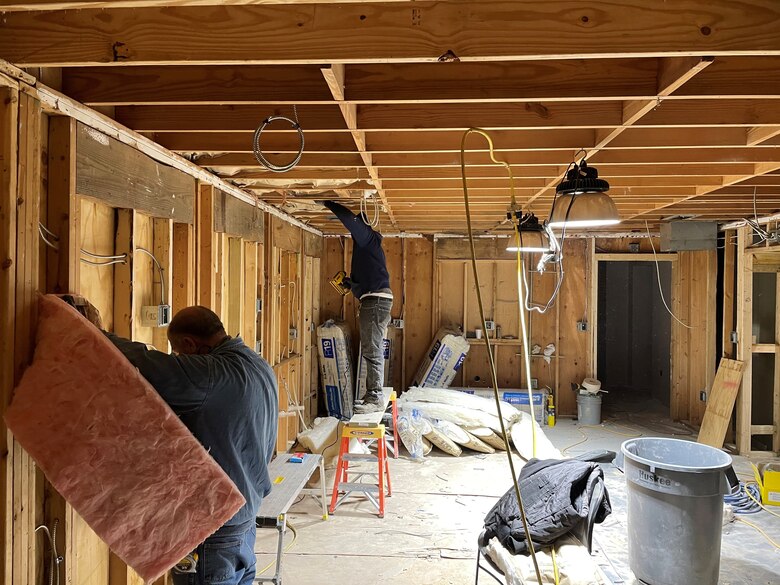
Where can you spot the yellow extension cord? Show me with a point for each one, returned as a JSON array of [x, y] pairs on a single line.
[[286, 548], [491, 361]]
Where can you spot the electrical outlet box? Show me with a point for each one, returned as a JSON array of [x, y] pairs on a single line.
[[258, 347], [490, 325], [633, 247], [582, 325], [397, 323], [293, 333], [258, 305], [703, 396], [156, 316], [534, 384], [734, 338]]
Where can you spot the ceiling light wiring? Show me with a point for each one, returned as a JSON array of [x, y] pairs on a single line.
[[258, 151], [491, 361], [658, 275], [374, 222]]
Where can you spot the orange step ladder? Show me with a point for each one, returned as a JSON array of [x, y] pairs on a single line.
[[350, 481]]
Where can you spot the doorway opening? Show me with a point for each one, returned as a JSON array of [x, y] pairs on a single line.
[[634, 335]]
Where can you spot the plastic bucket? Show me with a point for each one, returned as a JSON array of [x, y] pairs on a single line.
[[675, 510], [589, 409]]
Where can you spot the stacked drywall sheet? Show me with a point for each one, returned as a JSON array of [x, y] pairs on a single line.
[[360, 377], [443, 360], [518, 398], [334, 347]]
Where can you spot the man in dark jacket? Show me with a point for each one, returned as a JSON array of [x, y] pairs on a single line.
[[370, 283], [226, 395]]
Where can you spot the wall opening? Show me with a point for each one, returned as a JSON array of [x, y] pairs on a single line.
[[634, 335]]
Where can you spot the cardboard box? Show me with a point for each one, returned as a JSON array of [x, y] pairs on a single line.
[[360, 376], [518, 398], [768, 480], [334, 347], [444, 358]]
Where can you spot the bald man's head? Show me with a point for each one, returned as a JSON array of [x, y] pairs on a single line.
[[195, 330]]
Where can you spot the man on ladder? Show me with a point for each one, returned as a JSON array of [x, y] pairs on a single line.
[[370, 283]]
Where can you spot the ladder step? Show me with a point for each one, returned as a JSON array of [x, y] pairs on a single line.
[[359, 457], [359, 487]]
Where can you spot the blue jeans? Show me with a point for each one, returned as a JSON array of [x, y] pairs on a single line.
[[225, 558], [374, 318]]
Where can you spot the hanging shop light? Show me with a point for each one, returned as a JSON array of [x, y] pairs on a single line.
[[533, 236], [581, 200]]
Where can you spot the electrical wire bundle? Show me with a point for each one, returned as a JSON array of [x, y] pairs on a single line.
[[744, 498], [258, 151]]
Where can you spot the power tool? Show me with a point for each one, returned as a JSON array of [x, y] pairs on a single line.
[[341, 283]]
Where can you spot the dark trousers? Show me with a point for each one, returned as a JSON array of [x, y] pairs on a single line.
[[225, 558], [374, 318]]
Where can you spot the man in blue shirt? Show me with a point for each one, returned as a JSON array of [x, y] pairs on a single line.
[[371, 285], [226, 395]]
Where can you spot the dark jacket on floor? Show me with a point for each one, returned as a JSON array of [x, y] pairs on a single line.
[[556, 496], [369, 265]]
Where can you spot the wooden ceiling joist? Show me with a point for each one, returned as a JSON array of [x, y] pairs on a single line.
[[334, 77], [355, 33], [616, 79]]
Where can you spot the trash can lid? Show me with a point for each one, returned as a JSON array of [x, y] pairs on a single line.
[[676, 455]]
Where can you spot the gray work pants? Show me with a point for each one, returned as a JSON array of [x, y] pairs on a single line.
[[374, 318]]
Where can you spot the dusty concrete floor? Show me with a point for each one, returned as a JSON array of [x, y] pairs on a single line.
[[428, 535]]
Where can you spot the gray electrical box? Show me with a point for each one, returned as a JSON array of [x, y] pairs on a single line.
[[689, 235]]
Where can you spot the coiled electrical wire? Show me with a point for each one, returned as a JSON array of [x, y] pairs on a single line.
[[740, 499], [259, 152]]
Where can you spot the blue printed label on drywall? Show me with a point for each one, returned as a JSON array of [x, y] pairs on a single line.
[[461, 359], [333, 400], [327, 348], [435, 350]]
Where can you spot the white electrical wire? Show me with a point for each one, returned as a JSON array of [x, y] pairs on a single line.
[[658, 275], [159, 267], [259, 152], [364, 211]]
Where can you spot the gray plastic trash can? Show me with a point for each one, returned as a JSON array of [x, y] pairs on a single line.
[[589, 409], [675, 510]]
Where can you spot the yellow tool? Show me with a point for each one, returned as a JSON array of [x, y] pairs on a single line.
[[550, 411], [187, 565], [341, 283]]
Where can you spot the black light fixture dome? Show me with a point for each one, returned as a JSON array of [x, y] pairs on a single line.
[[581, 200], [532, 235], [581, 179]]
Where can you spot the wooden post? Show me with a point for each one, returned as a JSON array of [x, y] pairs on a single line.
[[9, 113], [26, 485], [776, 400], [162, 292], [63, 209], [124, 305], [729, 253], [183, 269], [206, 248], [249, 302], [744, 339], [234, 280]]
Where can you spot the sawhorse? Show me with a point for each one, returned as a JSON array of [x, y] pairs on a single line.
[[288, 480]]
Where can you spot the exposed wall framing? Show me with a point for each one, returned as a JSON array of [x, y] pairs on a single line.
[[758, 344], [100, 196]]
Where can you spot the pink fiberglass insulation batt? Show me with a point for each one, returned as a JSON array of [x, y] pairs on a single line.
[[111, 446]]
